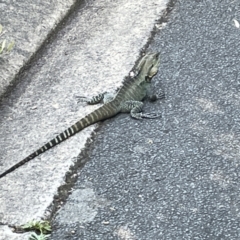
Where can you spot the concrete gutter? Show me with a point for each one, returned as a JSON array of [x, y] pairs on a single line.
[[29, 24]]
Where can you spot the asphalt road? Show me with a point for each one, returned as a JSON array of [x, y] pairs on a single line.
[[176, 177], [85, 51]]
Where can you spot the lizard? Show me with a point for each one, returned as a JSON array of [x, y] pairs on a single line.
[[128, 99]]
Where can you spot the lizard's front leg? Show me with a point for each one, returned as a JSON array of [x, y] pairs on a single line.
[[135, 108], [154, 97]]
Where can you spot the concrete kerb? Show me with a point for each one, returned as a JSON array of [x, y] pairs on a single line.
[[25, 52]]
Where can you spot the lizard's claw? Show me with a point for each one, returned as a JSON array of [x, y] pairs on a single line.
[[81, 99], [150, 115], [160, 95]]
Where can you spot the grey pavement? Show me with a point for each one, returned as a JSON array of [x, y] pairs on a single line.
[[90, 51], [176, 177]]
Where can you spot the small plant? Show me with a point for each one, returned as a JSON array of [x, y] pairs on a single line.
[[5, 47], [34, 236], [42, 227]]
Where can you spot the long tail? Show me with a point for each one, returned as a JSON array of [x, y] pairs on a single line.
[[106, 111]]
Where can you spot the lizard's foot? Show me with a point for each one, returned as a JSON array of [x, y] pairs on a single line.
[[160, 94], [155, 97], [91, 100], [150, 115], [81, 99], [145, 115]]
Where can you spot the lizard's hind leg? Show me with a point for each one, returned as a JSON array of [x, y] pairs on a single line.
[[92, 100], [135, 108], [100, 98]]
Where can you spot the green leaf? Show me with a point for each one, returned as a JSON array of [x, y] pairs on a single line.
[[2, 46], [4, 43], [42, 226], [34, 236], [10, 46], [29, 225]]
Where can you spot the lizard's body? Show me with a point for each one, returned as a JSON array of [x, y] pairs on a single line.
[[127, 99]]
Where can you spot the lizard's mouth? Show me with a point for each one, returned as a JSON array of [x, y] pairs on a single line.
[[148, 79], [154, 65], [148, 65]]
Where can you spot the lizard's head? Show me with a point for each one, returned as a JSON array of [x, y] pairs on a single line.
[[148, 66]]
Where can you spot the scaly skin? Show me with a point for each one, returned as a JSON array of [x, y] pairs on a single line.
[[127, 99]]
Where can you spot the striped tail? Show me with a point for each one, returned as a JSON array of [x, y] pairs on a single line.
[[106, 111]]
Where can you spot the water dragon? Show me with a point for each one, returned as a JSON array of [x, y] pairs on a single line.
[[127, 99]]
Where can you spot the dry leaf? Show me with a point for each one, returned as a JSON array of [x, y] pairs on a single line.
[[237, 25]]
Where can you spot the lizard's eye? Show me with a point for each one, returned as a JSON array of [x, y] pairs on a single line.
[[147, 79]]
